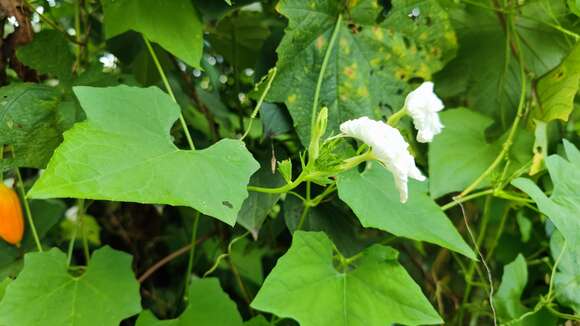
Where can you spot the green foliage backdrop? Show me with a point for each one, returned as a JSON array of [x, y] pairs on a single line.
[[186, 162]]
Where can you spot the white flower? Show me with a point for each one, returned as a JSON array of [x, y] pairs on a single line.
[[109, 61], [389, 147], [72, 214], [423, 105], [13, 21]]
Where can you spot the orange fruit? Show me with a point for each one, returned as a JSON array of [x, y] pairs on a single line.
[[11, 218]]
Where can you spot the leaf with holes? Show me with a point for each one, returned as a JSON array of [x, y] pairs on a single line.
[[375, 55], [123, 152], [46, 294], [310, 285], [175, 24]]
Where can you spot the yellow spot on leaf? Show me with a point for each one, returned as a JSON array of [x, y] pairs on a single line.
[[344, 46], [350, 71], [320, 42], [291, 99], [378, 33], [362, 91]]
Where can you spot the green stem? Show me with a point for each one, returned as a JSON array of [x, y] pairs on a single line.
[[561, 314], [509, 141], [222, 256], [396, 117], [472, 266], [458, 201], [554, 268], [27, 210], [79, 48], [169, 90], [260, 101], [499, 232], [191, 255], [81, 215], [323, 71], [71, 246], [303, 216], [282, 189]]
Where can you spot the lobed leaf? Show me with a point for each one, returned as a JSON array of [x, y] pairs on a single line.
[[123, 152], [46, 294], [306, 285]]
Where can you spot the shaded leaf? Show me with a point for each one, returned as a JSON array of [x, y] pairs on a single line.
[[306, 285], [46, 294], [174, 25], [370, 64], [507, 300], [373, 197], [208, 306], [258, 205], [123, 152], [276, 120], [239, 37], [482, 36], [335, 222], [461, 153], [49, 53], [30, 123], [513, 281]]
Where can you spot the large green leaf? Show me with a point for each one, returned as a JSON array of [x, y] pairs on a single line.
[[208, 306], [46, 294], [557, 89], [49, 53], [123, 152], [567, 278], [174, 24], [308, 286], [30, 123], [564, 204], [373, 197], [371, 62], [461, 153]]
